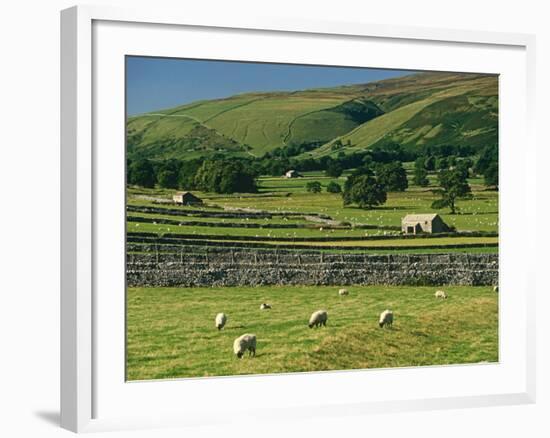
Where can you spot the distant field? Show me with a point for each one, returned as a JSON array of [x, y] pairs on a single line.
[[277, 194], [171, 332], [477, 214]]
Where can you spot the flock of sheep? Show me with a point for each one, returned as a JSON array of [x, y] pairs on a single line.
[[247, 342]]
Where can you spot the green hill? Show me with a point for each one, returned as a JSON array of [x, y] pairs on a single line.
[[425, 108]]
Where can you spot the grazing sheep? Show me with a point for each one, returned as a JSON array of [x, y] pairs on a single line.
[[265, 306], [495, 289], [221, 319], [440, 294], [343, 292], [244, 343], [318, 318], [386, 319]]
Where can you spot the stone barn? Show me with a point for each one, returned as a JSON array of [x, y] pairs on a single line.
[[186, 198], [292, 174], [423, 223]]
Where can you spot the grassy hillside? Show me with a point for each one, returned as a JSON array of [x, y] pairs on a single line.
[[464, 113], [424, 108]]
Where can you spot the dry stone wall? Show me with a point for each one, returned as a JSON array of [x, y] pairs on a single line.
[[254, 268]]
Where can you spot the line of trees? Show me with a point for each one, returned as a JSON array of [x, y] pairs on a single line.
[[221, 174], [427, 159], [217, 175]]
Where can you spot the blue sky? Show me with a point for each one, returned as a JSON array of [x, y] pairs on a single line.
[[157, 83]]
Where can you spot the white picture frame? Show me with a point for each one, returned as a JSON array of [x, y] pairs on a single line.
[[86, 177]]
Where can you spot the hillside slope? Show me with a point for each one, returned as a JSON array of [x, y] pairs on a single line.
[[465, 112], [425, 108]]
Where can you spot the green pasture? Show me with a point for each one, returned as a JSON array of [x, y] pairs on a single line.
[[171, 333], [278, 194], [254, 233], [477, 214], [294, 220]]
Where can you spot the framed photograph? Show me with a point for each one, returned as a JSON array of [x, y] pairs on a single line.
[[317, 218]]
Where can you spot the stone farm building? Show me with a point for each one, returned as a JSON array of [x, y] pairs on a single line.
[[292, 174], [186, 198], [423, 223]]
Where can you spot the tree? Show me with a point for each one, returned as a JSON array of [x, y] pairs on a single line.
[[491, 175], [488, 156], [429, 163], [222, 176], [188, 171], [142, 173], [441, 163], [334, 169], [421, 177], [168, 179], [464, 166], [393, 176], [128, 170], [236, 179], [313, 186], [333, 187], [454, 185], [420, 172], [487, 165], [208, 176], [277, 167], [364, 191]]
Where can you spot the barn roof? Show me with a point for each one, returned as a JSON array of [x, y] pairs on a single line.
[[186, 194], [420, 217]]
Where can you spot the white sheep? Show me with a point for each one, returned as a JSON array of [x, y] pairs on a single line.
[[318, 318], [386, 319], [440, 294], [221, 319], [244, 343], [343, 292], [495, 289], [265, 306]]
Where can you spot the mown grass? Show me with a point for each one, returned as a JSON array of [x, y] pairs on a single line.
[[171, 333]]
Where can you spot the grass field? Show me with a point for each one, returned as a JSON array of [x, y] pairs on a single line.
[[171, 333], [478, 213], [289, 195]]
